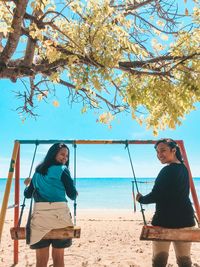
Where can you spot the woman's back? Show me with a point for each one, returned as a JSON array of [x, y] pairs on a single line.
[[50, 186], [171, 193]]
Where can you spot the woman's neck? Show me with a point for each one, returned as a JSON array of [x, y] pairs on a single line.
[[175, 161]]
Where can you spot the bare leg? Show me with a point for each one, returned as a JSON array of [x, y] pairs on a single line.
[[42, 257], [182, 250], [160, 253], [58, 257]]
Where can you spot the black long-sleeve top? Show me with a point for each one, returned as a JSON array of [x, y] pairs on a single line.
[[171, 195]]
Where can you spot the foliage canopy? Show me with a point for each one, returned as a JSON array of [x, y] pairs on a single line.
[[140, 56]]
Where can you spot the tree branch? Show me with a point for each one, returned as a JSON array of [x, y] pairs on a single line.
[[30, 52], [133, 6], [14, 36], [139, 64], [31, 45], [108, 103]]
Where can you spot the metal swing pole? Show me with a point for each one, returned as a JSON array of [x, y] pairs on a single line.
[[135, 181], [16, 206], [17, 219], [75, 203], [8, 186], [23, 205], [192, 187]]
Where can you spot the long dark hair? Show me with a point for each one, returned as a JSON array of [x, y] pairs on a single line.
[[171, 144], [50, 158]]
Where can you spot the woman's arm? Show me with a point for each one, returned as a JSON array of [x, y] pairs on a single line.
[[69, 184], [29, 190], [147, 199], [160, 189]]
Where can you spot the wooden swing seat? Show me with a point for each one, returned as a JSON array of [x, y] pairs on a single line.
[[61, 233], [157, 233]]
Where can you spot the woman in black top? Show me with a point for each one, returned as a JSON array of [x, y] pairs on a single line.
[[173, 206]]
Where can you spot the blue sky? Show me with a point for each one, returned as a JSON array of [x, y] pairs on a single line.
[[64, 122]]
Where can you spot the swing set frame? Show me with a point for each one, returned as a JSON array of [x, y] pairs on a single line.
[[15, 168]]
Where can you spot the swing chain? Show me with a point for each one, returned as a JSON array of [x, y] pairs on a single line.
[[135, 180], [23, 204]]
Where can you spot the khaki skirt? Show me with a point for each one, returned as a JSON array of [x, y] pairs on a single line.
[[47, 216]]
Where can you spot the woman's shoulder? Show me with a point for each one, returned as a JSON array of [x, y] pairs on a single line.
[[166, 168], [58, 168], [174, 167], [170, 167], [177, 166]]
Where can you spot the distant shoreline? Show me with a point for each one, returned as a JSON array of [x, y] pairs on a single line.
[[100, 193]]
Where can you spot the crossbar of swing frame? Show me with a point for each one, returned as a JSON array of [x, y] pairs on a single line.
[[72, 142], [89, 142]]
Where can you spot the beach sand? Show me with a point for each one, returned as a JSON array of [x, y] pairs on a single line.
[[108, 238]]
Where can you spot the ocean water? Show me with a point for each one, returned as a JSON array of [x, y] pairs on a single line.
[[101, 193]]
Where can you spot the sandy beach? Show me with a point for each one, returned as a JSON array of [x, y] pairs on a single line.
[[108, 238]]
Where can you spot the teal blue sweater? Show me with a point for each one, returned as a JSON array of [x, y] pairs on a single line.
[[53, 186]]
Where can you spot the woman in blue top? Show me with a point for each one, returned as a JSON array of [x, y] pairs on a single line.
[[49, 186], [173, 206]]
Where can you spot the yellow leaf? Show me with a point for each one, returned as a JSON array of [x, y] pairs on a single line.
[[84, 109], [48, 42], [40, 97], [155, 132], [106, 118], [56, 103], [160, 23], [33, 4], [96, 83], [164, 37]]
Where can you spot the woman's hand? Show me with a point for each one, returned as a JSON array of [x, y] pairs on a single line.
[[138, 196], [27, 181]]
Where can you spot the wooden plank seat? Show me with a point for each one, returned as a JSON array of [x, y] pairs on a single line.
[[61, 233], [156, 233]]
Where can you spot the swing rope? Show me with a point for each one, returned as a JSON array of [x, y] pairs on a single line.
[[23, 204], [196, 219], [75, 203], [136, 184]]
